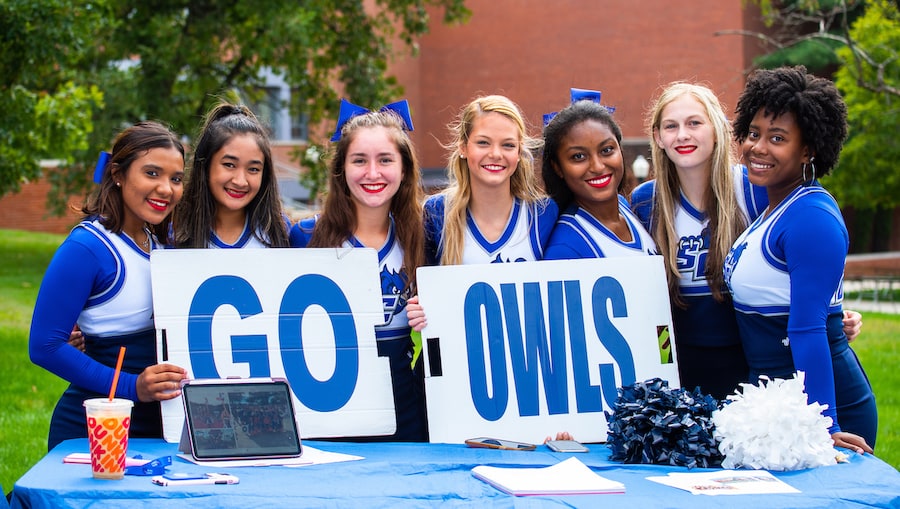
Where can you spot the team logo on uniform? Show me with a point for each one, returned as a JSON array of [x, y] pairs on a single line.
[[392, 294], [498, 259], [692, 253], [731, 261]]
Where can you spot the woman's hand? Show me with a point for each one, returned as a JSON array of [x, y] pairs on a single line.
[[852, 324], [851, 441], [76, 338], [160, 382], [415, 314], [562, 435]]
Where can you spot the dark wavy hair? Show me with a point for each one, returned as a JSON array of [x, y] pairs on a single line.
[[556, 130], [130, 144], [195, 215], [815, 103], [338, 219]]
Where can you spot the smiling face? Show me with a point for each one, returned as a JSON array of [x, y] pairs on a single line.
[[774, 152], [686, 134], [236, 172], [589, 160], [492, 150], [151, 186], [373, 168]]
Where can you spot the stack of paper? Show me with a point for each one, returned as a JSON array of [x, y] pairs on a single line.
[[568, 477], [726, 482]]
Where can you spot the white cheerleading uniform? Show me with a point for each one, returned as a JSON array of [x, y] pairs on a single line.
[[785, 274], [578, 234], [127, 303], [246, 240], [523, 239]]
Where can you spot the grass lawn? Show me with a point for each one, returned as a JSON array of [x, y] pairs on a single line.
[[30, 392]]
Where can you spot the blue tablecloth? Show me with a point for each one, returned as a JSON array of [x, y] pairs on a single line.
[[427, 475]]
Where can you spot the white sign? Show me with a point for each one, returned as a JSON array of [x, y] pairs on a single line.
[[307, 315], [520, 351]]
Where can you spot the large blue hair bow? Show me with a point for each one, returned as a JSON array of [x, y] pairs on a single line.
[[349, 110], [102, 161], [580, 94]]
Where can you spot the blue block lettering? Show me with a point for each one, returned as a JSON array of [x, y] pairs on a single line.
[[215, 292], [254, 350], [481, 296], [326, 395], [607, 288]]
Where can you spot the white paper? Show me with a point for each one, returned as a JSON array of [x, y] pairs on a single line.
[[565, 478], [726, 482], [310, 456]]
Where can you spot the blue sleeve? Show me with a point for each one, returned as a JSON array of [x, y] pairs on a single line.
[[815, 246], [434, 228], [548, 213], [75, 273], [566, 244], [301, 233], [642, 203]]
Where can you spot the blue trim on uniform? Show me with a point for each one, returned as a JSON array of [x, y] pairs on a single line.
[[689, 208], [507, 232], [245, 237], [118, 280]]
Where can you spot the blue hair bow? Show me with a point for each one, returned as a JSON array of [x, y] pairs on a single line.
[[102, 161], [349, 110], [580, 94]]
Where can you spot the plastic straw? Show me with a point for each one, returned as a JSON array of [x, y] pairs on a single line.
[[112, 390]]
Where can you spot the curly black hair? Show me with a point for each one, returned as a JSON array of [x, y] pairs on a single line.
[[815, 102], [556, 130]]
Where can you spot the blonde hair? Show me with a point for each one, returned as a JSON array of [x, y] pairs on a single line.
[[726, 220], [523, 182]]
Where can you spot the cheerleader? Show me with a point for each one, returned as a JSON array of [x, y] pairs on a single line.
[[99, 279], [375, 200], [785, 272], [231, 199]]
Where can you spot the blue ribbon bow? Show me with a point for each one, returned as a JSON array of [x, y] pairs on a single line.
[[580, 94], [349, 110], [102, 161]]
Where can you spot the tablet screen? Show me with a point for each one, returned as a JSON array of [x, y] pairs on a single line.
[[242, 420]]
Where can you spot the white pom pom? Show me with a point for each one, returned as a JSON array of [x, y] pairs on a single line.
[[771, 427]]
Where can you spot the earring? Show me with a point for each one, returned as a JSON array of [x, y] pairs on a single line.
[[118, 184], [462, 156]]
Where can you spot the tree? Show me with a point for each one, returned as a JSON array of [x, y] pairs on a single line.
[[45, 113], [169, 59], [867, 177], [858, 40]]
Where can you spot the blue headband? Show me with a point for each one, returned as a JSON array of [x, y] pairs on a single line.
[[102, 161], [580, 94], [350, 110]]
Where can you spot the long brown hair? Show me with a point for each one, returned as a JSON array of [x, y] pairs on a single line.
[[106, 202], [338, 220]]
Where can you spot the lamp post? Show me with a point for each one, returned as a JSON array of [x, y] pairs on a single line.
[[641, 168]]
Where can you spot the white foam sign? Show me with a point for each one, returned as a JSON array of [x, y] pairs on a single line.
[[306, 315], [520, 351]]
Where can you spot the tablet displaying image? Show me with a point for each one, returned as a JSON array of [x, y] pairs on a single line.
[[240, 419]]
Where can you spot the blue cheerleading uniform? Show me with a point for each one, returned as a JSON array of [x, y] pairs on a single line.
[[101, 281], [785, 274], [524, 238], [392, 337], [578, 234], [708, 345]]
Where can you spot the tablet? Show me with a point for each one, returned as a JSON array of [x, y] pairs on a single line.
[[240, 419]]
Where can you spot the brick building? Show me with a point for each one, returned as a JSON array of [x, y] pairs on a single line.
[[533, 51]]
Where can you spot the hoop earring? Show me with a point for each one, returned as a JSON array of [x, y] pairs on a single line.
[[803, 172]]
